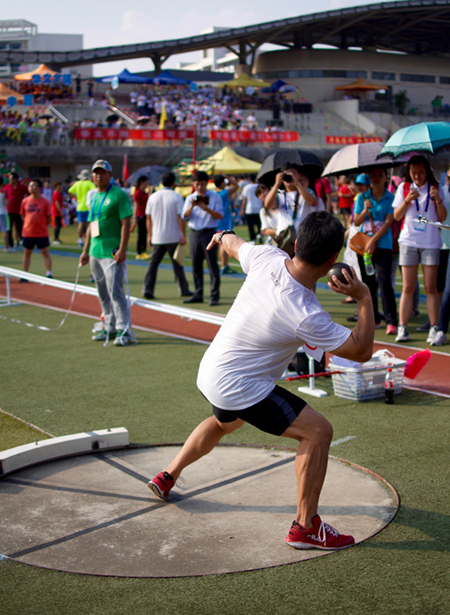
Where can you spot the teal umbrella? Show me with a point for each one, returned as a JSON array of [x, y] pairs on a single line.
[[429, 137]]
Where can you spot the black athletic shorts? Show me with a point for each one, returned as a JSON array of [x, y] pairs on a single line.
[[272, 414], [40, 242]]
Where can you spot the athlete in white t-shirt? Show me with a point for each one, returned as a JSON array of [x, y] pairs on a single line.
[[275, 312]]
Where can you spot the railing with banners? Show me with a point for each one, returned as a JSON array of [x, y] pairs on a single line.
[[142, 134], [351, 140]]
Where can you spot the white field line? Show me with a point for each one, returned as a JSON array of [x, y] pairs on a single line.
[[342, 440]]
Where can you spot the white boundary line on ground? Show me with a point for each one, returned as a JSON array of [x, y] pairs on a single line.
[[27, 423], [342, 440]]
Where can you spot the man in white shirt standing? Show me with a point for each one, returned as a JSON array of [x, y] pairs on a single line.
[[276, 312], [165, 230], [203, 208]]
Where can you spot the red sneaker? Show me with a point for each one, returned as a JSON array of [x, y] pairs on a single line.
[[161, 484], [320, 536]]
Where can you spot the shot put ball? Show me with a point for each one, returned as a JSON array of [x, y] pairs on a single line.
[[336, 270]]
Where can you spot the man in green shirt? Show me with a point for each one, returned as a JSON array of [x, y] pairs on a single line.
[[106, 250], [79, 190]]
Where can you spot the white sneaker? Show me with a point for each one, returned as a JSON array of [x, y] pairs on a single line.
[[402, 335], [434, 330], [439, 339], [80, 243]]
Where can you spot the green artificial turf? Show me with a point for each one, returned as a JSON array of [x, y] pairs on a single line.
[[64, 383]]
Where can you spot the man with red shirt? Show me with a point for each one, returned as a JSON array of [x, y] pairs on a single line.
[[15, 192], [36, 214]]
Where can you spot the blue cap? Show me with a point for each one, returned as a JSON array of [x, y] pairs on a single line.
[[363, 178], [102, 164]]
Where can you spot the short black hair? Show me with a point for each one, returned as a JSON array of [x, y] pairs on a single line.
[[168, 179], [252, 177], [418, 159], [218, 180], [141, 180], [319, 237], [200, 176], [38, 182], [1, 181], [14, 175]]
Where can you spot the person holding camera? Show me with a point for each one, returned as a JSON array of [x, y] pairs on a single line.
[[293, 197], [203, 209]]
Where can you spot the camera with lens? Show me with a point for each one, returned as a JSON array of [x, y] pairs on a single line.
[[286, 177]]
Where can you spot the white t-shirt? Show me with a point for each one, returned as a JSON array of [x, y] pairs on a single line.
[[445, 235], [164, 207], [286, 202], [268, 220], [419, 235], [271, 317], [253, 204]]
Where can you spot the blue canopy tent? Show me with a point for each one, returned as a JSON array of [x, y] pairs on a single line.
[[166, 78], [274, 87], [125, 77]]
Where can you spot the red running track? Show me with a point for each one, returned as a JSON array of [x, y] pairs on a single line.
[[433, 378]]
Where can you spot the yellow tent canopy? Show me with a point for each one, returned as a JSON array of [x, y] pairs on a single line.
[[40, 70], [361, 85], [244, 81], [6, 92], [224, 161]]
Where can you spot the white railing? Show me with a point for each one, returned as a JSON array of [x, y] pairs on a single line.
[[186, 313]]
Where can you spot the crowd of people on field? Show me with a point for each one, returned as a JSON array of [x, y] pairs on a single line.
[[385, 210]]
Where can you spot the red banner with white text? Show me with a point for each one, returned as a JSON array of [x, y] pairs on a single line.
[[142, 134], [253, 136], [351, 140], [137, 134]]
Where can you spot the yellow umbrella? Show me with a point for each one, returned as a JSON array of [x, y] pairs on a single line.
[[244, 81], [224, 161]]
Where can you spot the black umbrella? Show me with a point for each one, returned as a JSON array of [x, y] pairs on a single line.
[[112, 117], [143, 119], [153, 172], [311, 165]]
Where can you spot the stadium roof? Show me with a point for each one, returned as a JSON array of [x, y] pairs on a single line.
[[410, 26]]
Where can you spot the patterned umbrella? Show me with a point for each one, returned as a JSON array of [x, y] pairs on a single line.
[[311, 165], [429, 137], [359, 157]]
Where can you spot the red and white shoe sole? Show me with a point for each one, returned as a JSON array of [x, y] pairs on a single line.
[[156, 490], [307, 545]]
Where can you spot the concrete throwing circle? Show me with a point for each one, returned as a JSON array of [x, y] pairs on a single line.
[[94, 514]]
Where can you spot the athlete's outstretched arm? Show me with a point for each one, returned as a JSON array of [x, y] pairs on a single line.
[[230, 242]]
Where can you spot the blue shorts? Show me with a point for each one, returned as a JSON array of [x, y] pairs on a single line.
[[40, 242], [82, 216], [4, 223], [273, 414]]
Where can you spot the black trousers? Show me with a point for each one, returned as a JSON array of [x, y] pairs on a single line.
[[382, 262], [158, 252], [14, 220], [142, 234], [254, 225], [198, 240], [58, 225]]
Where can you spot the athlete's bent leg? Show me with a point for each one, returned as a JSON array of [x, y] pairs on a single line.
[[201, 441], [314, 433]]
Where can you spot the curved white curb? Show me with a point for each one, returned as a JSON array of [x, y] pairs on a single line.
[[40, 451]]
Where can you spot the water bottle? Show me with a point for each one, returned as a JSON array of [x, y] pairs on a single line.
[[389, 385], [368, 264]]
